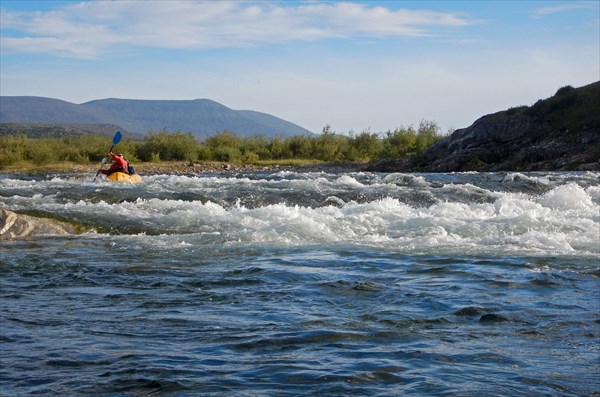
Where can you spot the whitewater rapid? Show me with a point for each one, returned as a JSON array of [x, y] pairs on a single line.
[[466, 214]]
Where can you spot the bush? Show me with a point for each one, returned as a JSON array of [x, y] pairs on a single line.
[[203, 153], [364, 147], [177, 146], [300, 146], [329, 146], [222, 140], [564, 90], [427, 135], [250, 158], [399, 144], [224, 146], [227, 154], [12, 149]]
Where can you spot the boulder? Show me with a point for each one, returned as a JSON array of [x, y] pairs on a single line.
[[15, 226]]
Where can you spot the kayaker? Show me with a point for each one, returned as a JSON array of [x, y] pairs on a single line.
[[120, 164]]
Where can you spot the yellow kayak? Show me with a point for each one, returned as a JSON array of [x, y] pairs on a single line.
[[123, 177]]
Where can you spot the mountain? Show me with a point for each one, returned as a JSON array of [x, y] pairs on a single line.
[[558, 133], [201, 117], [56, 130], [29, 109]]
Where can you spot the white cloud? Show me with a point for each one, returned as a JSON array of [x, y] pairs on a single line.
[[383, 86], [89, 29], [560, 8]]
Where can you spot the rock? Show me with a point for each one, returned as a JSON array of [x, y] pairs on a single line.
[[493, 318], [14, 226], [471, 311], [561, 133], [489, 140]]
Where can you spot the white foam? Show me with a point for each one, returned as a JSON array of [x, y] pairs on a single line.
[[348, 180], [547, 242], [517, 176], [463, 219], [594, 192], [567, 197], [405, 180]]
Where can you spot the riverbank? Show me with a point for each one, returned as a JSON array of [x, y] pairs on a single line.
[[187, 168]]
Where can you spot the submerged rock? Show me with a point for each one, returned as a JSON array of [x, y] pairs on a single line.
[[471, 311], [13, 226], [493, 318]]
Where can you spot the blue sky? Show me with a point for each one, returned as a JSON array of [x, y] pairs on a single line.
[[354, 65]]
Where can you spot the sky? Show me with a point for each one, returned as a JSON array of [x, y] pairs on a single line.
[[352, 65]]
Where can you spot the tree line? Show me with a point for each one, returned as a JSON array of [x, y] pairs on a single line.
[[224, 146]]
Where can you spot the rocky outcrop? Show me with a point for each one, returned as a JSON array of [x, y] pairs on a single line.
[[490, 140], [558, 133], [15, 226], [503, 142]]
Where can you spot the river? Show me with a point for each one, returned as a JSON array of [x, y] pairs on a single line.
[[316, 284]]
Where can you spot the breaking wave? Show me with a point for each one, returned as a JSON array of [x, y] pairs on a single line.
[[549, 214]]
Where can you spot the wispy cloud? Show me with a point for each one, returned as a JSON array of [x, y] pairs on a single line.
[[93, 29], [560, 8]]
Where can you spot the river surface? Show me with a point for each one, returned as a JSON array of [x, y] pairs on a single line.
[[304, 284]]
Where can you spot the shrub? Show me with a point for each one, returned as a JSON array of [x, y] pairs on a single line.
[[564, 90], [222, 140], [300, 146], [364, 147], [250, 158], [258, 144], [168, 146], [330, 146], [427, 135], [399, 143], [223, 146], [40, 152], [203, 153], [227, 154], [12, 149]]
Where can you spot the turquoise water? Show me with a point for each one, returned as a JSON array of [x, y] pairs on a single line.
[[294, 284]]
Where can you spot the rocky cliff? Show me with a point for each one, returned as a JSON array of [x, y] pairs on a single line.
[[558, 133]]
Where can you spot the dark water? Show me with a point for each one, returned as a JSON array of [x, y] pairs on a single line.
[[305, 284]]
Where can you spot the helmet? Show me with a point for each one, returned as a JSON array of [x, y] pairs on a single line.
[[120, 154]]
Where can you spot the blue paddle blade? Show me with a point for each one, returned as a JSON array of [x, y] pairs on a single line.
[[117, 138]]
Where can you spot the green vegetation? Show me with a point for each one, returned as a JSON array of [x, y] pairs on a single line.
[[80, 149], [571, 110], [16, 149]]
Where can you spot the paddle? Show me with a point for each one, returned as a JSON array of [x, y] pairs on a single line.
[[116, 139]]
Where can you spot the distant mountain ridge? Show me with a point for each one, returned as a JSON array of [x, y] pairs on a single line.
[[201, 117]]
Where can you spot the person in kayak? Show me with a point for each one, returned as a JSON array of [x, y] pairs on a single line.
[[120, 164]]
